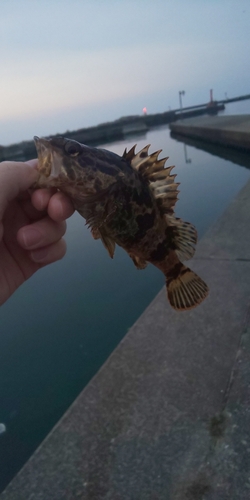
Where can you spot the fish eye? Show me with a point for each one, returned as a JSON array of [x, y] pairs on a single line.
[[72, 148]]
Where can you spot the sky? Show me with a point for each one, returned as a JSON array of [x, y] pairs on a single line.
[[72, 64]]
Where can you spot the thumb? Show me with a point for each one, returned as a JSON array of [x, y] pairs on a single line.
[[15, 177]]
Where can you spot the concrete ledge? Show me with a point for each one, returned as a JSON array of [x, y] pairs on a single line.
[[232, 131], [167, 417]]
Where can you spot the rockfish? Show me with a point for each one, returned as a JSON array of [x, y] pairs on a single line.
[[129, 201]]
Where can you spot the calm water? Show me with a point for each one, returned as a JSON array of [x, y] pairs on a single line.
[[60, 327]]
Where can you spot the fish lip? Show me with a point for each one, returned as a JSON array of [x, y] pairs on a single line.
[[48, 161], [44, 156], [39, 142]]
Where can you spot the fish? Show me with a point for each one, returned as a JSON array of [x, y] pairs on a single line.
[[127, 201]]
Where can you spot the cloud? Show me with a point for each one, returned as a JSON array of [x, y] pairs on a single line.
[[50, 81], [90, 55]]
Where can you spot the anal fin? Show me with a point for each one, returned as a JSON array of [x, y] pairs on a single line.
[[95, 233], [138, 262]]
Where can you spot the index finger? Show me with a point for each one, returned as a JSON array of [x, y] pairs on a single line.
[[15, 177], [60, 207], [33, 163], [57, 204]]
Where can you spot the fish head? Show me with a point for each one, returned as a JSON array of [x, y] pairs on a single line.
[[74, 168]]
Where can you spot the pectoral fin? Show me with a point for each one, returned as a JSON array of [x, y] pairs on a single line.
[[99, 233], [108, 243]]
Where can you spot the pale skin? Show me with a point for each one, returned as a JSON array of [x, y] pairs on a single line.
[[32, 225]]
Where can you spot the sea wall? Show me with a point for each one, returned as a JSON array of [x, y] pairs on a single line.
[[230, 131], [167, 416]]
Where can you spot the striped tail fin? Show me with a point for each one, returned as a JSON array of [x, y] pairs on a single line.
[[185, 289]]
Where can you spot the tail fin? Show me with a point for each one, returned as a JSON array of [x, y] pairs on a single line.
[[185, 289]]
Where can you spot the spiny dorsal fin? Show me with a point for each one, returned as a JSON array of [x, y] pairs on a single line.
[[154, 172], [130, 154]]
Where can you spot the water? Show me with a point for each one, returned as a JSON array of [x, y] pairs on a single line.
[[2, 428], [59, 328]]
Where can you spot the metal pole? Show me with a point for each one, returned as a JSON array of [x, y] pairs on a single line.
[[180, 100], [181, 92]]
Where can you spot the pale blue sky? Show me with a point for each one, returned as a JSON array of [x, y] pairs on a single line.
[[71, 64]]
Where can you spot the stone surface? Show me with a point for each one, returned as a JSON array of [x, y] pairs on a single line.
[[229, 237], [168, 415]]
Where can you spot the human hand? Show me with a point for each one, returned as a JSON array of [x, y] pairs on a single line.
[[31, 225]]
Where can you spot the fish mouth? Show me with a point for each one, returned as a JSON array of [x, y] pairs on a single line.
[[49, 161]]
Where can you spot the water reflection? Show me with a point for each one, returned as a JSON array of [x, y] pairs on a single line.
[[187, 159], [238, 157], [59, 328]]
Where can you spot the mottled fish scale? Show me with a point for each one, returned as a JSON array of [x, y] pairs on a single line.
[[128, 201]]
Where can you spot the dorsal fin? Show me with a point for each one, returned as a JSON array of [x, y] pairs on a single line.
[[153, 170], [185, 237]]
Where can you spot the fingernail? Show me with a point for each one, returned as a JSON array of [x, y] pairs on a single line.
[[39, 255], [31, 237]]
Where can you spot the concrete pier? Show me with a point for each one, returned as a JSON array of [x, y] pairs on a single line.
[[232, 131], [168, 415]]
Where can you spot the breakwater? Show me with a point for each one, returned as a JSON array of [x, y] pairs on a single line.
[[112, 131]]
